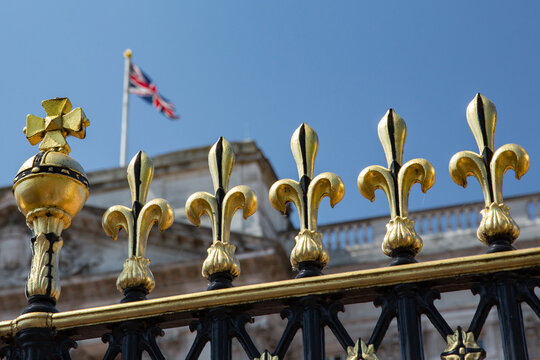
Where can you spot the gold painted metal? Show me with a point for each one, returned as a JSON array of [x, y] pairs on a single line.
[[60, 122], [220, 208], [45, 253], [49, 200], [50, 189], [137, 222], [361, 351], [462, 345], [252, 294], [306, 194], [489, 168], [396, 181], [267, 356], [31, 320]]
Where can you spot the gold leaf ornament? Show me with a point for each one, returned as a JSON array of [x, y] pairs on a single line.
[[496, 221], [221, 259], [308, 246], [489, 167], [461, 345], [400, 233], [137, 223], [396, 181], [43, 277], [136, 273], [221, 208], [306, 194]]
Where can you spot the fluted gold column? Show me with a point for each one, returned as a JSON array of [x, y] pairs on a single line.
[[497, 228], [221, 265], [136, 279], [308, 255], [50, 189], [401, 241]]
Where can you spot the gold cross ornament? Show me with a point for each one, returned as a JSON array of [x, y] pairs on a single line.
[[60, 122]]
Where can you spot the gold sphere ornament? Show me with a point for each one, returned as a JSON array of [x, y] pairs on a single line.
[[51, 187]]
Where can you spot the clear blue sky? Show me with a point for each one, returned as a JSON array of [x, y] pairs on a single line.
[[258, 69]]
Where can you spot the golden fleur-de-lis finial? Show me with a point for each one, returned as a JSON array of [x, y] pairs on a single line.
[[497, 227], [220, 208], [60, 122], [306, 194], [401, 241], [137, 222]]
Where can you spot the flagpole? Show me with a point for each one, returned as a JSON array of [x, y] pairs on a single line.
[[125, 107]]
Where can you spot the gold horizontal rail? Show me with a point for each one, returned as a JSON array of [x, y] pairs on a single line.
[[448, 271]]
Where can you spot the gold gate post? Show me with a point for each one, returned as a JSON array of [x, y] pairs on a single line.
[[50, 189]]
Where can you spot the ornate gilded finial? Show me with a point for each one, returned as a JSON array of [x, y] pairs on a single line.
[[361, 351], [497, 228], [60, 122], [461, 345], [221, 266], [401, 241], [137, 222], [308, 255], [50, 189]]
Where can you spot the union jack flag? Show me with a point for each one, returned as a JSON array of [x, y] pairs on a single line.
[[140, 84]]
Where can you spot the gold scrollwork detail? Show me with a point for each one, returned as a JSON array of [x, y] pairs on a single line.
[[396, 181], [137, 222], [220, 208], [496, 220], [488, 167], [306, 194], [461, 345], [267, 356], [361, 351]]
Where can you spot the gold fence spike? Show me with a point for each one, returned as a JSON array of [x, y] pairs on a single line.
[[306, 194], [221, 265], [497, 228], [137, 222], [50, 189], [401, 241]]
